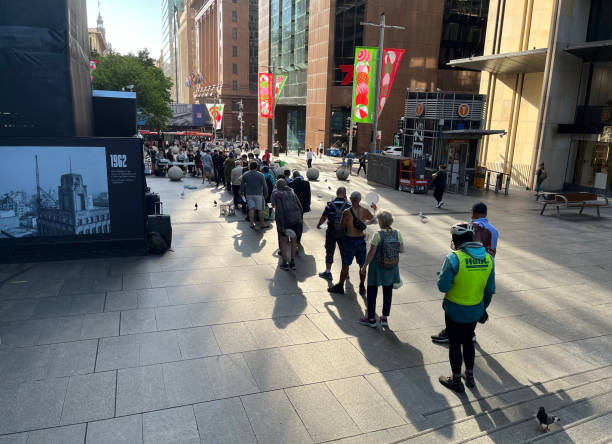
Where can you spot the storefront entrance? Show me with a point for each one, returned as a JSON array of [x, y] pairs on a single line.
[[593, 166], [461, 161]]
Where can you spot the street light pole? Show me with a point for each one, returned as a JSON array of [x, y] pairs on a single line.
[[274, 152], [381, 40]]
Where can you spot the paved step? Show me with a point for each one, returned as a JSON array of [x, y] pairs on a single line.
[[487, 415]]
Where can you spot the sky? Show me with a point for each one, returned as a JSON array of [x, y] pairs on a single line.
[[52, 163], [131, 25]]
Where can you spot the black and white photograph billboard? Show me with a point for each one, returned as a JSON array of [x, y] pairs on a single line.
[[54, 191]]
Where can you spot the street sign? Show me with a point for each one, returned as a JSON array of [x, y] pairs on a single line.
[[463, 110]]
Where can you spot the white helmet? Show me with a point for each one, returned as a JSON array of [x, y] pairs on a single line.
[[462, 228]]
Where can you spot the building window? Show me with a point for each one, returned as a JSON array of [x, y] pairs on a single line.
[[463, 30], [349, 34], [234, 1], [599, 21], [234, 51], [234, 16], [235, 33], [235, 105], [234, 68], [235, 85]]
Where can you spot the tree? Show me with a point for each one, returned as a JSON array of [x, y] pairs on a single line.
[[115, 72]]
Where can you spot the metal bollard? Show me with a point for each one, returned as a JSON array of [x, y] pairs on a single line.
[[466, 184], [507, 186], [488, 180]]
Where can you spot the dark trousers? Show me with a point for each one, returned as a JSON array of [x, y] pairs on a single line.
[[220, 175], [309, 163], [237, 196], [364, 169], [460, 336], [438, 193], [372, 293], [330, 246]]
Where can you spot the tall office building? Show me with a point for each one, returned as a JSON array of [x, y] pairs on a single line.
[[547, 72], [313, 42], [225, 46], [171, 12]]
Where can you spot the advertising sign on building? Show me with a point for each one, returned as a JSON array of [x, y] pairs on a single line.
[[216, 114], [187, 115], [265, 84], [364, 84], [391, 61]]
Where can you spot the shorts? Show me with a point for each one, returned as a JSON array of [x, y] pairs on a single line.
[[255, 202], [207, 169], [354, 247], [297, 228]]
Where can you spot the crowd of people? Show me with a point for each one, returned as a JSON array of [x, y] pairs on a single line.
[[467, 277]]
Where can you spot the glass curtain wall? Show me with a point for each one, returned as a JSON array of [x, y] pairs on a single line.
[[348, 34], [600, 21], [289, 47], [464, 24]]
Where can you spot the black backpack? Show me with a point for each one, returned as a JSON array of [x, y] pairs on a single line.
[[387, 253], [335, 220]]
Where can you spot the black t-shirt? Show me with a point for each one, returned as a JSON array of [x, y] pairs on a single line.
[[440, 180]]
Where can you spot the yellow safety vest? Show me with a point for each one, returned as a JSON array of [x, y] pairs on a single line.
[[471, 279]]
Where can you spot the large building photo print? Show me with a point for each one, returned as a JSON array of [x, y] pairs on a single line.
[[54, 191]]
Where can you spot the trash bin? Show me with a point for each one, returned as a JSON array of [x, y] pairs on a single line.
[[480, 174]]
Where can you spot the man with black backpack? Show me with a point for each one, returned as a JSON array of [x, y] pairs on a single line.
[[354, 220], [335, 233]]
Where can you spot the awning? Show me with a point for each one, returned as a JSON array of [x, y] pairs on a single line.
[[600, 51], [470, 133], [532, 60]]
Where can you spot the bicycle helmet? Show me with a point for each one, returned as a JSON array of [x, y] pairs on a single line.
[[462, 228]]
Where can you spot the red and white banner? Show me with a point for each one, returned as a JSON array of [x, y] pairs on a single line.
[[266, 89], [390, 65], [216, 114]]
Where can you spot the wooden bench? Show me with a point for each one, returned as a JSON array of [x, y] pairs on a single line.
[[574, 200]]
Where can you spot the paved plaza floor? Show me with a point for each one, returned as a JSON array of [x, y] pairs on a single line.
[[212, 342]]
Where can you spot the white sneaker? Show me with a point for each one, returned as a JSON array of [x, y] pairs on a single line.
[[441, 203]]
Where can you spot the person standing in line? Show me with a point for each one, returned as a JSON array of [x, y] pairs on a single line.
[[439, 185], [487, 235], [362, 164], [541, 176], [228, 166], [218, 161], [334, 235], [309, 157], [266, 157], [253, 187], [269, 181], [236, 179], [301, 188], [383, 270], [354, 220], [468, 280], [207, 167], [288, 216], [350, 157], [321, 149]]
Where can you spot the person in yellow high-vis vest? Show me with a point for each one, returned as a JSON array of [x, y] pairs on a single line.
[[468, 280]]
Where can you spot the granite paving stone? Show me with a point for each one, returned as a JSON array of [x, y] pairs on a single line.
[[170, 426], [271, 369], [72, 358], [140, 389], [322, 414], [138, 321], [229, 376], [187, 382], [74, 434], [123, 430], [274, 419], [89, 398], [223, 421], [197, 342], [100, 325], [63, 329]]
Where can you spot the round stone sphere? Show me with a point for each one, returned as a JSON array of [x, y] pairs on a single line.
[[312, 174], [342, 173], [237, 151], [175, 173], [256, 152], [175, 149], [278, 171]]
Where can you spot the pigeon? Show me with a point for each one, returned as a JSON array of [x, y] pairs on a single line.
[[319, 195], [421, 215], [328, 187], [182, 195], [325, 180], [214, 203], [546, 419], [196, 207]]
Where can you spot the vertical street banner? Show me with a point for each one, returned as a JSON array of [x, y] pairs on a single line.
[[93, 65], [265, 94], [279, 85], [364, 84], [216, 114], [391, 60]]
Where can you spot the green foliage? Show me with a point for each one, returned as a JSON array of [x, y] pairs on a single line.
[[115, 72]]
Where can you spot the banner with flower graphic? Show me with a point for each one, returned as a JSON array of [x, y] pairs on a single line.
[[93, 65], [391, 60], [364, 84], [216, 113], [279, 85], [265, 94]]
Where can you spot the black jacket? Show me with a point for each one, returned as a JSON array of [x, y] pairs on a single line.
[[301, 188]]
